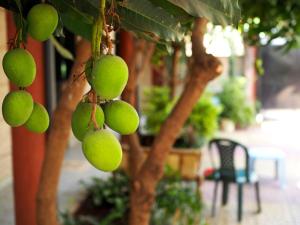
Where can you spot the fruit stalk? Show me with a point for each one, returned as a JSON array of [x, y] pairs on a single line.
[[93, 114], [96, 51], [108, 38], [97, 31]]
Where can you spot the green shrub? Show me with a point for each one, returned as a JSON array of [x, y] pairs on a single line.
[[174, 198], [200, 126], [157, 107], [233, 99]]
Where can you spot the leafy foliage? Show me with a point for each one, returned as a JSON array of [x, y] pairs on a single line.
[[200, 126], [74, 19], [221, 12], [167, 19], [163, 20], [203, 121], [145, 17], [234, 102], [176, 199], [173, 196], [157, 108], [270, 19]]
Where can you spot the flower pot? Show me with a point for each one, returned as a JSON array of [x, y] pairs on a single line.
[[227, 125], [186, 161]]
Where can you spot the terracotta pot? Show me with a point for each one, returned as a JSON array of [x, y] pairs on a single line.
[[227, 125], [184, 160]]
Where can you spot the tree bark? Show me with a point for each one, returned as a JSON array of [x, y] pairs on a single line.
[[204, 68], [58, 138], [174, 73], [137, 60]]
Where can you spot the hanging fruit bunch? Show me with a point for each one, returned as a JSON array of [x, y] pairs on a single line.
[[99, 109], [107, 75], [18, 106]]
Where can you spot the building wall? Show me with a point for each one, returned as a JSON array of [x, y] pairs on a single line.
[[5, 133], [279, 87]]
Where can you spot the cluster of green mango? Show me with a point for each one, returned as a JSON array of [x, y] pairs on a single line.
[[107, 76], [18, 107]]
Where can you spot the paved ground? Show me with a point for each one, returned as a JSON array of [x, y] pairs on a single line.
[[75, 169], [280, 206]]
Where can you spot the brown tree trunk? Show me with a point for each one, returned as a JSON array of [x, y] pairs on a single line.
[[58, 139], [174, 73], [137, 60], [203, 69]]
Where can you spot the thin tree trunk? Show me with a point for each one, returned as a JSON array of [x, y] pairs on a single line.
[[174, 73], [142, 50], [203, 69], [58, 139]]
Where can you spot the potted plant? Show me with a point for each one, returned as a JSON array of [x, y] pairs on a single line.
[[107, 202], [237, 110], [199, 128]]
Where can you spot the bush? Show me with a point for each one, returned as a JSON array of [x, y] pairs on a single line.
[[200, 126], [176, 200], [233, 99]]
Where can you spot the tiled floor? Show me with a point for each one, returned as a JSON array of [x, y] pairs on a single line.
[[75, 169], [279, 206]]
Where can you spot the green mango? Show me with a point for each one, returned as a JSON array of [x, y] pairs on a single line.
[[121, 117], [109, 76], [17, 107], [42, 21], [81, 119], [39, 119], [103, 150], [19, 67]]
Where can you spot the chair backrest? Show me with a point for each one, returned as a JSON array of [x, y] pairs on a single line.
[[226, 149]]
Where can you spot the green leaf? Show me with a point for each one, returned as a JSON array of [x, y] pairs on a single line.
[[61, 49], [142, 16], [222, 12], [90, 7], [180, 14], [73, 19]]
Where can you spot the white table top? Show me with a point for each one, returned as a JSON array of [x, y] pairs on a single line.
[[266, 153]]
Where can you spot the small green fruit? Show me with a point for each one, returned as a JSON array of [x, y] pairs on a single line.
[[109, 76], [81, 119], [42, 21], [102, 149], [17, 107], [39, 119], [19, 67], [121, 117]]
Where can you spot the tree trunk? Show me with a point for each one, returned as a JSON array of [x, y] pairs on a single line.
[[58, 138], [203, 69], [174, 73], [136, 60]]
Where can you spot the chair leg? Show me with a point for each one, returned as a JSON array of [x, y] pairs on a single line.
[[257, 193], [225, 192], [213, 210], [240, 202]]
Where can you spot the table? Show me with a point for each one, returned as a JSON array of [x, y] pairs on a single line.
[[269, 153]]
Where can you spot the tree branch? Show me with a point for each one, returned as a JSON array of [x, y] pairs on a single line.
[[143, 52], [202, 71], [174, 73], [58, 139]]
